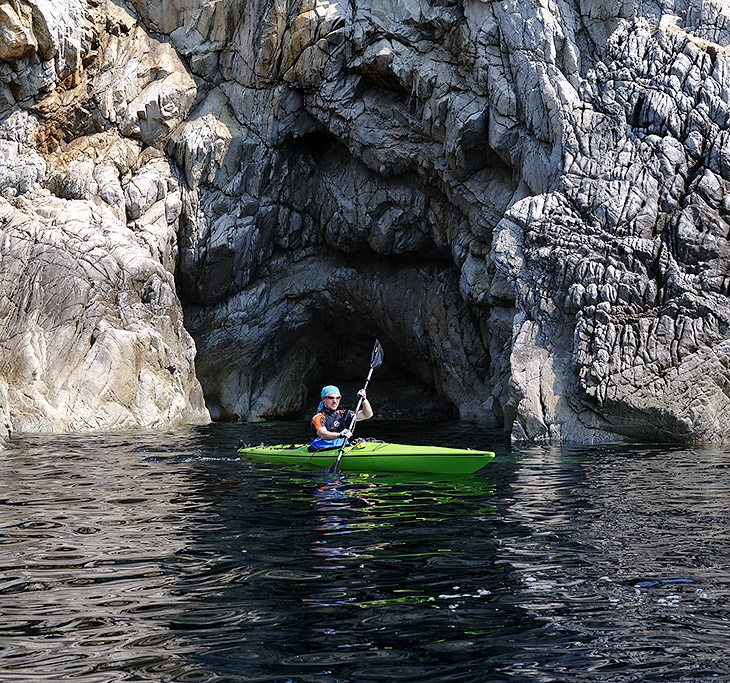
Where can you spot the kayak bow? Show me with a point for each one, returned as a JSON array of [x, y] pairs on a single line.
[[374, 456]]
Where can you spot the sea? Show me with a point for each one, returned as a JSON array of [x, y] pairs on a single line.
[[162, 556]]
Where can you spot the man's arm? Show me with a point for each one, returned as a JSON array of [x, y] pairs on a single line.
[[366, 410], [327, 435]]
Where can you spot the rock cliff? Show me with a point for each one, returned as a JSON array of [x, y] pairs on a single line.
[[525, 201], [92, 334]]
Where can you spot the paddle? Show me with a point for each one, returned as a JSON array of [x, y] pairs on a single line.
[[375, 361]]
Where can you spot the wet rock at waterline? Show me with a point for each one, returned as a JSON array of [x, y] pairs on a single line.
[[526, 204]]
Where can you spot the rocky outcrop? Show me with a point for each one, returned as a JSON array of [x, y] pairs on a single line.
[[527, 204], [619, 269], [92, 333], [548, 167]]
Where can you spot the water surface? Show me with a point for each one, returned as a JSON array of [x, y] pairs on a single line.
[[162, 557]]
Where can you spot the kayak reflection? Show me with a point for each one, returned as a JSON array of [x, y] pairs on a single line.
[[367, 522]]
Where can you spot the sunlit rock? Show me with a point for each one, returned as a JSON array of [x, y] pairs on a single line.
[[92, 334]]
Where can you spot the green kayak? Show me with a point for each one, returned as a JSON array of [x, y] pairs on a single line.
[[374, 456]]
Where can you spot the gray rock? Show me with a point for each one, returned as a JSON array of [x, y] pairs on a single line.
[[147, 98], [92, 332], [527, 204]]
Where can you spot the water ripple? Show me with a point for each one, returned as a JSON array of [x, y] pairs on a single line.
[[162, 557]]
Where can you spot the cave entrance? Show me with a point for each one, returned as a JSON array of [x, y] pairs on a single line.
[[395, 392]]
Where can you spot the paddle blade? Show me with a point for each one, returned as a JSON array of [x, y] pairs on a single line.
[[377, 358]]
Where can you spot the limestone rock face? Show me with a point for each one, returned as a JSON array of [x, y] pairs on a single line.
[[92, 333], [526, 202]]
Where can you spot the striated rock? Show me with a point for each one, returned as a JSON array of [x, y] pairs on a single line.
[[527, 203], [92, 334], [146, 98]]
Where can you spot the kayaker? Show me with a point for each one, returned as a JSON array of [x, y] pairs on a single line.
[[330, 426]]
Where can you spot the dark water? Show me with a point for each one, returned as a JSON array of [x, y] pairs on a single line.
[[161, 557]]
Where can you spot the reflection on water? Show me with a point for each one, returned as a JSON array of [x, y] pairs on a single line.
[[163, 557]]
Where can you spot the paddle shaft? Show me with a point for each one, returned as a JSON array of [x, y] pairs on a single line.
[[352, 422]]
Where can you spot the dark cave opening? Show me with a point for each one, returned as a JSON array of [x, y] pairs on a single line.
[[314, 144], [394, 391]]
